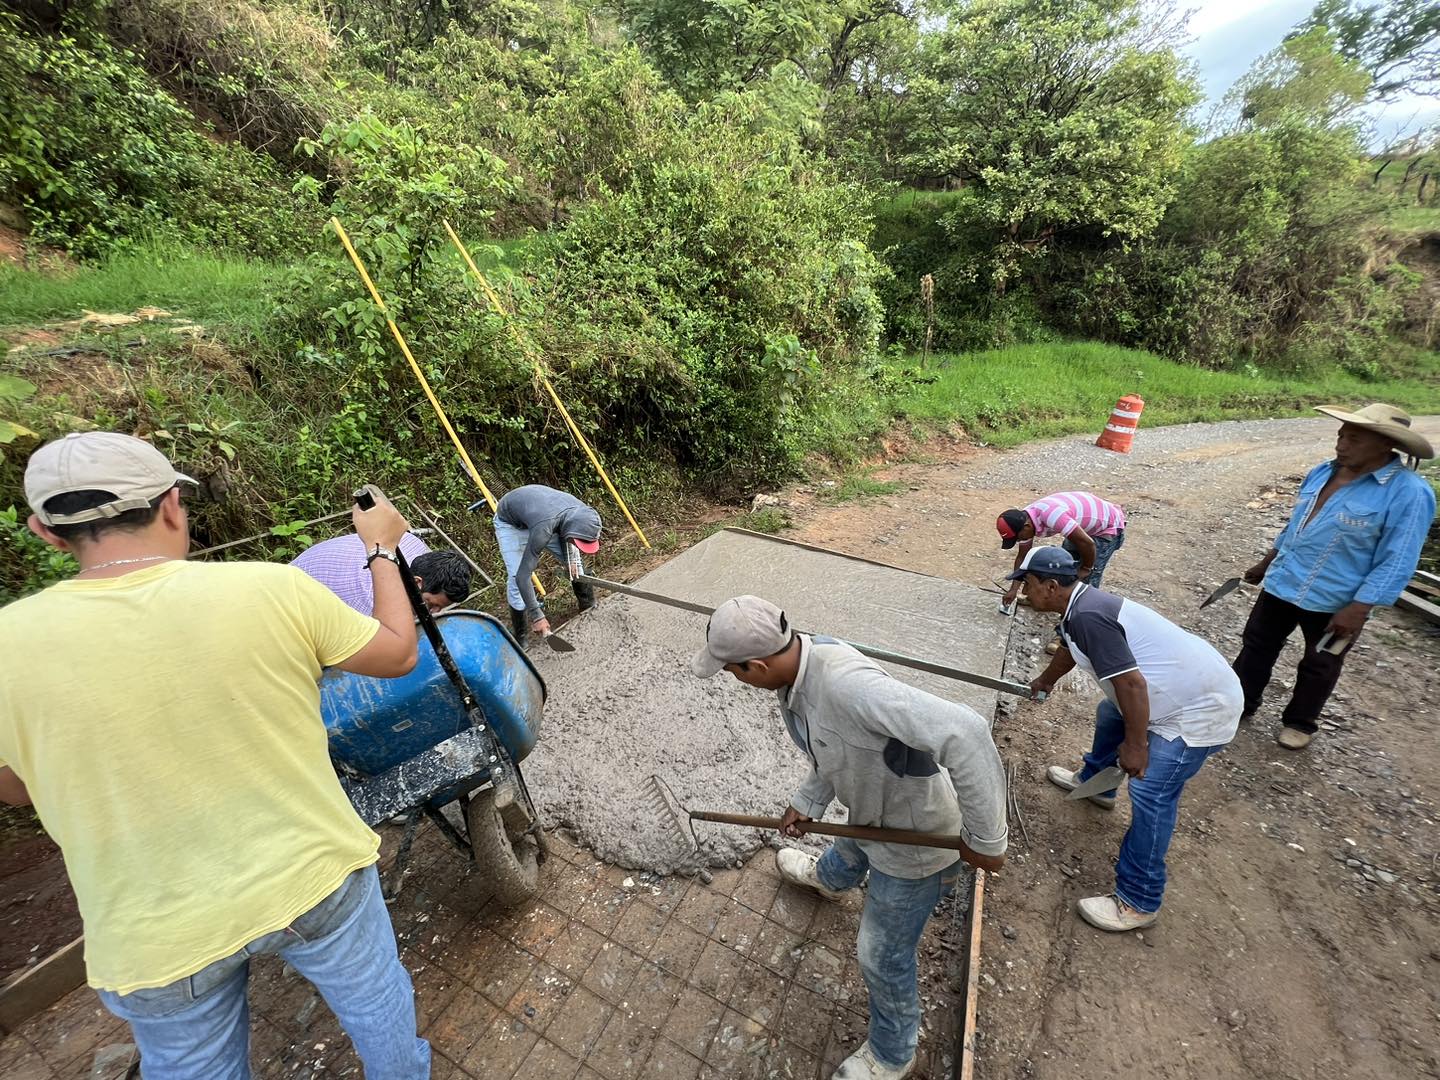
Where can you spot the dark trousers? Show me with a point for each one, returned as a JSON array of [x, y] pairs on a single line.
[[1271, 622]]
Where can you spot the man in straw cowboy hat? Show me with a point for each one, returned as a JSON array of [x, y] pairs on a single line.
[[1353, 541]]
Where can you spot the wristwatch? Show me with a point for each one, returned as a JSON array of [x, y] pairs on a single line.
[[381, 553]]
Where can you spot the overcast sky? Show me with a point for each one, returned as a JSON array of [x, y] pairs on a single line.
[[1231, 34]]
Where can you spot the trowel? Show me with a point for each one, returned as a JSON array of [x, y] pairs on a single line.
[[556, 642]]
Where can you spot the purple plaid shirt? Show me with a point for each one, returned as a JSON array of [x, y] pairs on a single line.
[[339, 565]]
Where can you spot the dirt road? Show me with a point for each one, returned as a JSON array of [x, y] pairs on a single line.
[[1299, 936]]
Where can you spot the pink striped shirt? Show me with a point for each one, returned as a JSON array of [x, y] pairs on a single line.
[[1059, 514]]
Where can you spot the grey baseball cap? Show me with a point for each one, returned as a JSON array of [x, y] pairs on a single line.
[[130, 469], [745, 628]]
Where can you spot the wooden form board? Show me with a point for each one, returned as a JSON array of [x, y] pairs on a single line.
[[37, 988], [975, 923]]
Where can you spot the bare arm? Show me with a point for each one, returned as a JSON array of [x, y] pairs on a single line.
[[1059, 667], [392, 652], [1256, 573], [1132, 697], [1021, 549], [1086, 547], [12, 788]]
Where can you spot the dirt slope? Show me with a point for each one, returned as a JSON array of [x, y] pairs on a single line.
[[1299, 937]]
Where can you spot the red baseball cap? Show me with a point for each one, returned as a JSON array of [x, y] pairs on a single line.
[[1009, 524], [589, 547]]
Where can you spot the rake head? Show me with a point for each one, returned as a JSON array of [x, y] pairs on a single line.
[[670, 813]]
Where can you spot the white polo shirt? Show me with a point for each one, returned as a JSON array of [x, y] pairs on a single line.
[[1194, 695]]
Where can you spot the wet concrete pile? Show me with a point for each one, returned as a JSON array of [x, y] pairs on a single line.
[[624, 706]]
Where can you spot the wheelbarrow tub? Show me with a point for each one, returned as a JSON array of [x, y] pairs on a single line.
[[376, 724]]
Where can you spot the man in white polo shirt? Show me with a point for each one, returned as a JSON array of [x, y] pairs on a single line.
[[1171, 701]]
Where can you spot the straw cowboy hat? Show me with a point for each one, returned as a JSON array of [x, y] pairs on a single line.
[[1385, 420]]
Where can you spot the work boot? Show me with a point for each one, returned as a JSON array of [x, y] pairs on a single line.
[[1064, 779], [798, 868], [584, 595], [1108, 913], [862, 1065], [519, 626]]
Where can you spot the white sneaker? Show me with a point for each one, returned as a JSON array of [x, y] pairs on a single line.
[[1108, 913], [862, 1065], [1064, 778], [798, 868], [1293, 738]]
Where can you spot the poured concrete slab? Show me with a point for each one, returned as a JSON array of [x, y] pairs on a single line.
[[624, 706]]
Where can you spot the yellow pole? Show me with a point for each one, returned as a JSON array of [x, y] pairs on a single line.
[[545, 382], [415, 367]]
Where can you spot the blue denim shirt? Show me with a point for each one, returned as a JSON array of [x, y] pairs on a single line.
[[1363, 545]]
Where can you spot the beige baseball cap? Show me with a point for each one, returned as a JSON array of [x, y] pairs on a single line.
[[126, 467], [745, 628]]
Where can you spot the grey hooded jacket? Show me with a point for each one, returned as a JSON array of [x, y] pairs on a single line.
[[895, 756], [547, 515]]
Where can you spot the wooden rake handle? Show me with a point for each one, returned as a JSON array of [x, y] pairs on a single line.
[[855, 832]]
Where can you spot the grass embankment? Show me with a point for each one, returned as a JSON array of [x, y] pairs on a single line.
[[1025, 392], [208, 288]]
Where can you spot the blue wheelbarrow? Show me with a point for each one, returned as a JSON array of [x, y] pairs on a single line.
[[453, 730]]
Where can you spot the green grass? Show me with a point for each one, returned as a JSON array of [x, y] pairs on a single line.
[[204, 287], [1416, 218], [1025, 392], [860, 486]]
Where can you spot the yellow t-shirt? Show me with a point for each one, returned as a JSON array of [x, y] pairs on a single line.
[[167, 725]]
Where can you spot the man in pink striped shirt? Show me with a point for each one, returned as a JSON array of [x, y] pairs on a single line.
[[1093, 530]]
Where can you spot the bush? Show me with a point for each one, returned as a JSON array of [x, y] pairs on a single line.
[[925, 232], [1264, 255], [98, 156], [713, 292]]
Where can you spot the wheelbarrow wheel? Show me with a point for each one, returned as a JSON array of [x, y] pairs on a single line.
[[509, 857]]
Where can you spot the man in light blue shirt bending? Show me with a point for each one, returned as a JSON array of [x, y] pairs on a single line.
[[1352, 542]]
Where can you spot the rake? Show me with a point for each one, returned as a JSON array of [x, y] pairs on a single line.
[[669, 808]]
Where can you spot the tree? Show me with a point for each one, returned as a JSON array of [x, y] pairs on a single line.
[[1396, 43], [1057, 115], [1304, 77], [705, 47]]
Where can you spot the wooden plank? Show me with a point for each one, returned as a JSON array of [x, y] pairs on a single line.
[[36, 988], [966, 1069], [1420, 606], [1423, 588], [1427, 577]]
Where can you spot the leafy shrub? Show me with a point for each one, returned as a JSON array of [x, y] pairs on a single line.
[[98, 156]]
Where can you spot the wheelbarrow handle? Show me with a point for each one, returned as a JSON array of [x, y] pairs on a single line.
[[826, 828]]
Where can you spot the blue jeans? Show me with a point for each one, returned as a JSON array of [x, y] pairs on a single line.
[[198, 1028], [1154, 804], [896, 910], [1105, 547], [513, 543]]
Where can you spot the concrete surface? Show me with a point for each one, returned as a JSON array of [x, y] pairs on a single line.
[[623, 706]]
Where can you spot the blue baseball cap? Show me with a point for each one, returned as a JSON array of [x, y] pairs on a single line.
[[1050, 561]]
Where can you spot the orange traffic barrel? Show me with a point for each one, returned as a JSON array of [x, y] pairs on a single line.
[[1119, 432]]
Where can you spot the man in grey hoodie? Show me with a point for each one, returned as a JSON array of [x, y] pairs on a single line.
[[529, 521], [897, 757]]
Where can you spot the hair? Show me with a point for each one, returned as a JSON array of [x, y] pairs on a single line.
[[443, 572], [75, 502]]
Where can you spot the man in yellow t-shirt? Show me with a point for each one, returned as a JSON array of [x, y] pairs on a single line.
[[163, 717]]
